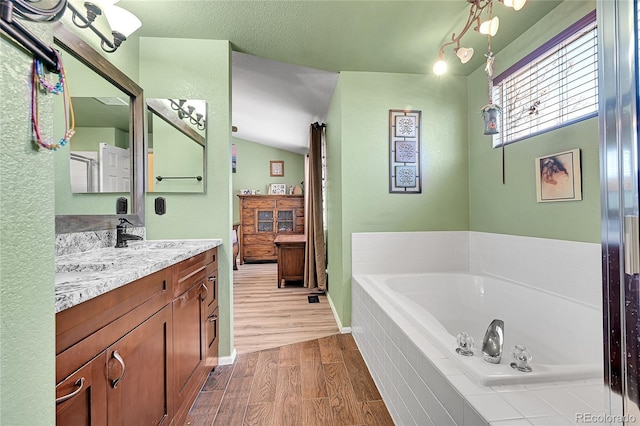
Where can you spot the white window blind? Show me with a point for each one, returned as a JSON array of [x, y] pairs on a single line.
[[555, 86]]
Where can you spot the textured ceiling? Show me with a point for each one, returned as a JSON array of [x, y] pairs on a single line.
[[378, 36]]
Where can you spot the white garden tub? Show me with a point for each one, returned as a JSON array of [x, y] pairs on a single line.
[[560, 333]]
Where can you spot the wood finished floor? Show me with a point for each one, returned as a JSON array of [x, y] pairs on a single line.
[[266, 316], [293, 367], [319, 382]]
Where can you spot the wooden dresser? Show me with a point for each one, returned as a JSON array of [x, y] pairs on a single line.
[[262, 218]]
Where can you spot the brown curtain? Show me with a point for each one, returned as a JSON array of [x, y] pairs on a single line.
[[315, 257]]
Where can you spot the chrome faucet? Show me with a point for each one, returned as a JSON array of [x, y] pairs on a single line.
[[121, 234], [493, 342]]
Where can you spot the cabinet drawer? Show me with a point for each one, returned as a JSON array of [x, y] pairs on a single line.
[[289, 204], [191, 271], [80, 321], [267, 252], [259, 203]]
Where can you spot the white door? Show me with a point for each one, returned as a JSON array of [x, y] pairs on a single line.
[[115, 165]]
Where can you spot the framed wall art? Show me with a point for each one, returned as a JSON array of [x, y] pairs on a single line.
[[558, 177], [276, 168], [405, 170], [277, 189]]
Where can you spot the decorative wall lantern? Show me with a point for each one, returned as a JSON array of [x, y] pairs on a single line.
[[490, 116]]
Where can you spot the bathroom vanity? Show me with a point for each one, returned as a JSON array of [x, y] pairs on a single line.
[[136, 331]]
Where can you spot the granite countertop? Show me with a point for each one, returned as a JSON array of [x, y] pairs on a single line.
[[85, 275]]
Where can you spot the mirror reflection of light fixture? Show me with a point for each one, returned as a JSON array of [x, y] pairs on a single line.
[[488, 26], [189, 112], [122, 22], [50, 11]]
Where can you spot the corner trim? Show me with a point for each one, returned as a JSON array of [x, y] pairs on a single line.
[[343, 330], [228, 360]]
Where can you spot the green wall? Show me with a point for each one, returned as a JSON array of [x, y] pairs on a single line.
[[174, 154], [27, 247], [512, 208], [203, 67], [252, 169], [361, 107]]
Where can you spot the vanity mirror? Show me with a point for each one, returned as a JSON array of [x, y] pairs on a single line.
[[176, 145], [95, 82]]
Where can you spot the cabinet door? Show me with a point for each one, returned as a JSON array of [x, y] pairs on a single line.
[[212, 326], [265, 220], [188, 335], [138, 371], [81, 399], [286, 220]]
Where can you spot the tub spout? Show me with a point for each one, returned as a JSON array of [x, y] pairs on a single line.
[[493, 341]]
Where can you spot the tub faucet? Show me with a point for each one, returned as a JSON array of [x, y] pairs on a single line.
[[493, 341], [121, 234]]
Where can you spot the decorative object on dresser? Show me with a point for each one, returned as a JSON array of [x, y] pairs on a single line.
[[262, 218], [277, 189]]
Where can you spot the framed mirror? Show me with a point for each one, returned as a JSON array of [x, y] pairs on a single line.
[[176, 145], [93, 82]]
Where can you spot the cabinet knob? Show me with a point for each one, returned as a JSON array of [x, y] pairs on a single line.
[[116, 381], [206, 292], [212, 279], [212, 317], [79, 384]]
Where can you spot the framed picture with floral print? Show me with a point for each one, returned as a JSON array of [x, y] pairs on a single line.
[[276, 168], [405, 170]]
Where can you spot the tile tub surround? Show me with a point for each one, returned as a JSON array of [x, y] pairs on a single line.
[[421, 386], [418, 383], [84, 275]]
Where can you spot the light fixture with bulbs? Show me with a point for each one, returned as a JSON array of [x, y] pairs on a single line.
[[122, 22], [189, 112], [487, 26]]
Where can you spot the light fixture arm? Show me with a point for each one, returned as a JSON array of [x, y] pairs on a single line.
[[477, 7], [87, 22]]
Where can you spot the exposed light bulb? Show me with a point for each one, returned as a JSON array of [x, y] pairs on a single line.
[[465, 54], [440, 67], [490, 26]]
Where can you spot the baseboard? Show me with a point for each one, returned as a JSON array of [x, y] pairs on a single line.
[[228, 360], [343, 330]]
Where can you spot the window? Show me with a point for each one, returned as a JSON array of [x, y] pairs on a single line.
[[554, 86]]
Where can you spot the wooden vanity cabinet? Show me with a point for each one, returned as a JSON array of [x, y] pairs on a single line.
[[137, 354], [262, 218], [192, 291]]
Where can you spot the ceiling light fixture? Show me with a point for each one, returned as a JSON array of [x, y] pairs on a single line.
[[122, 22], [488, 27]]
